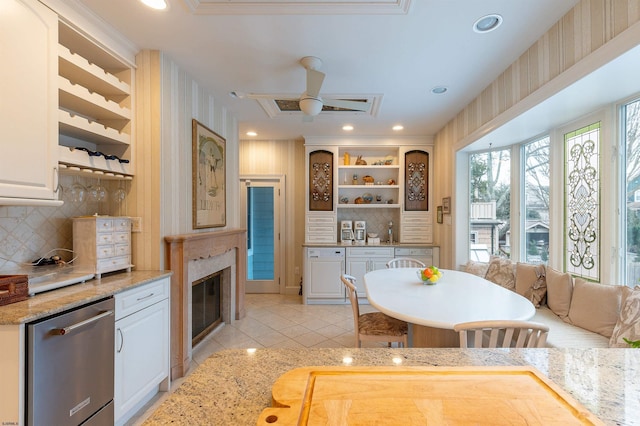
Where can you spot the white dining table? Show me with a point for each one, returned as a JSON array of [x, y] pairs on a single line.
[[432, 310]]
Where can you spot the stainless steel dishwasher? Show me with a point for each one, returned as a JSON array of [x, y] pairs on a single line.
[[70, 367]]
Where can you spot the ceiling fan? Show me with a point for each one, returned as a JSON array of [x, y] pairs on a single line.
[[310, 101]]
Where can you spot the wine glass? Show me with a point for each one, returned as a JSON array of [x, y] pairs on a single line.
[[119, 194], [78, 191], [101, 192], [97, 193]]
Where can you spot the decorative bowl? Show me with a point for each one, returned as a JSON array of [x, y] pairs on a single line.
[[429, 275], [372, 235], [368, 198]]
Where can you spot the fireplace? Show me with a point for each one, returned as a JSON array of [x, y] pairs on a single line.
[[206, 306], [194, 257]]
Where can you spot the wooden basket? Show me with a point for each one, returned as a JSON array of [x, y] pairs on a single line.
[[13, 288]]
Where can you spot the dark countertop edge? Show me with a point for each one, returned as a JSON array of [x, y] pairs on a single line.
[[59, 300]]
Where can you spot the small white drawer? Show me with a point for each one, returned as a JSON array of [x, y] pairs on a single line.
[[113, 263], [137, 298], [370, 252], [122, 249], [122, 225], [105, 251], [121, 237], [321, 238], [104, 225], [104, 238]]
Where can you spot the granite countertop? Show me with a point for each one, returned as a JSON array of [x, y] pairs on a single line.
[[233, 387], [52, 302]]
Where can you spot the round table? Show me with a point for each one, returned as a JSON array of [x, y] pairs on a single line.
[[433, 310]]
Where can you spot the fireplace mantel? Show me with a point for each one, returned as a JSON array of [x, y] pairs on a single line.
[[180, 250]]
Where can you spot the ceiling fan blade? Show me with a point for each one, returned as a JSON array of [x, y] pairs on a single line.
[[314, 82], [341, 103]]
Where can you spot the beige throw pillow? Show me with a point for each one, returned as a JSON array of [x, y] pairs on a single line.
[[476, 268], [531, 282], [595, 307], [628, 325], [501, 271], [559, 290]]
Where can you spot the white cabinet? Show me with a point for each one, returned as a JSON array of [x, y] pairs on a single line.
[[322, 269], [142, 346], [28, 109], [361, 260], [102, 243]]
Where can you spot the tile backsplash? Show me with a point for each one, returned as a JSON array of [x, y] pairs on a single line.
[[27, 233]]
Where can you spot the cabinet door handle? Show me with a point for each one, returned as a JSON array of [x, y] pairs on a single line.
[[145, 297], [121, 340]]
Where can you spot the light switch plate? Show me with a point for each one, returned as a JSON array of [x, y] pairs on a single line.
[[136, 224]]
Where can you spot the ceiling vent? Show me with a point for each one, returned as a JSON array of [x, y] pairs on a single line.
[[299, 7], [287, 105]]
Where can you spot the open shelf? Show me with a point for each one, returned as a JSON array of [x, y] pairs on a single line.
[[80, 71]]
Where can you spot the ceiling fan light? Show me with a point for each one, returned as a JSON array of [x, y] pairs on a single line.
[[310, 106]]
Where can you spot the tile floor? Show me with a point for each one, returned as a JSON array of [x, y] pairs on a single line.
[[275, 321]]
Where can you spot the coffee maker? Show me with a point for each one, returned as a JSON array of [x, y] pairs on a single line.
[[346, 232], [360, 232]]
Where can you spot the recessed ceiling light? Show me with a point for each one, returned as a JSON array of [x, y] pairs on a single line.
[[438, 90], [347, 127], [398, 127], [487, 23], [251, 133], [156, 4]]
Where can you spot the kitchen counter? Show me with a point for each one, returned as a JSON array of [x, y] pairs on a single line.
[[232, 387], [52, 302]]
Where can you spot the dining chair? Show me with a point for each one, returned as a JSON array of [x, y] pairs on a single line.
[[405, 262], [373, 326], [502, 334]]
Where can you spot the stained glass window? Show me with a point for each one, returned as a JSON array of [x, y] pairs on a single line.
[[582, 204]]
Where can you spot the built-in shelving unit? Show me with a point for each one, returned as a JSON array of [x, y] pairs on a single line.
[[382, 170], [95, 101], [390, 188]]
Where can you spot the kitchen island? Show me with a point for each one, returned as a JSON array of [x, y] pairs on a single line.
[[233, 387]]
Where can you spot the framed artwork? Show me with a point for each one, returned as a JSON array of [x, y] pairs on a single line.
[[439, 214], [446, 205], [208, 177]]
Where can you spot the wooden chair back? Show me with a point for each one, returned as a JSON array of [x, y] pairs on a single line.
[[405, 262], [502, 334]]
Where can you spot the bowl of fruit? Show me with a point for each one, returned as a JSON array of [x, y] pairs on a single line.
[[429, 275]]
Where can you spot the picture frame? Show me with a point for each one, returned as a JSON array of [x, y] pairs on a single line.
[[446, 205], [439, 214], [208, 177]]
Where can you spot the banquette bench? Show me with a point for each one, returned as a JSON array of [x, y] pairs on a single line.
[[579, 313]]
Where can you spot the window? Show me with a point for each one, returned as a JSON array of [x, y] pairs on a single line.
[[582, 203], [489, 208], [535, 190], [631, 182]]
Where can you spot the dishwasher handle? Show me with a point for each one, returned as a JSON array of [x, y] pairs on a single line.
[[65, 330]]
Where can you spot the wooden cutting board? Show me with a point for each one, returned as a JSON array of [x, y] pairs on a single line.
[[421, 396]]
